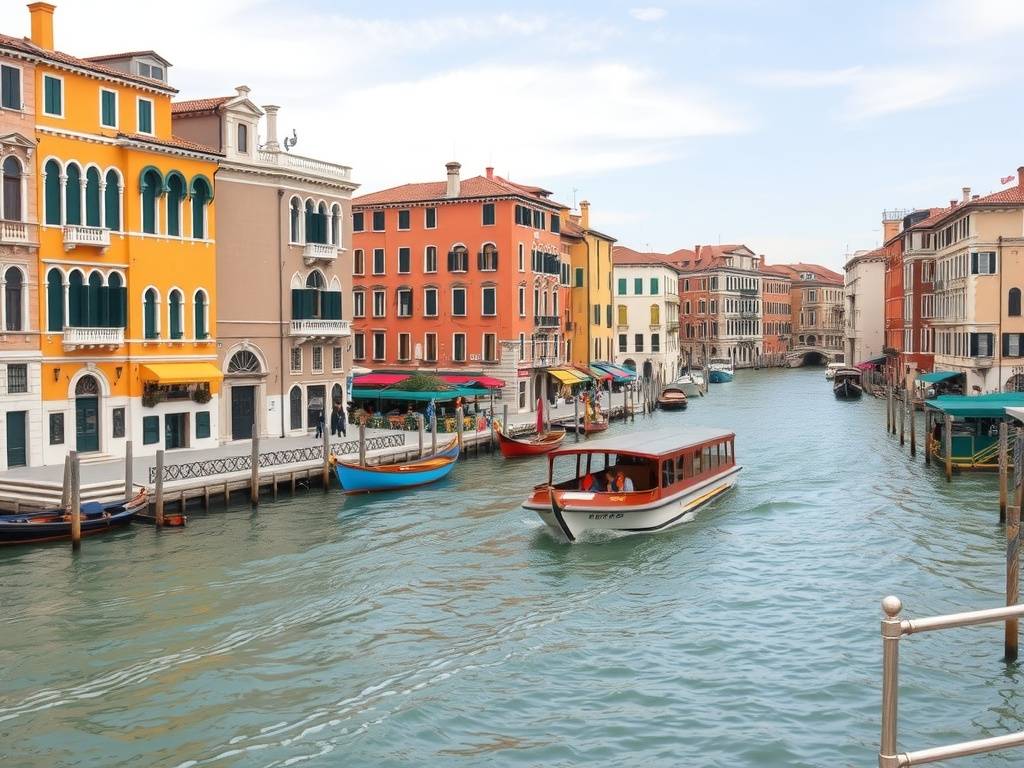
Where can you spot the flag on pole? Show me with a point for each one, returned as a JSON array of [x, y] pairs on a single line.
[[1006, 179]]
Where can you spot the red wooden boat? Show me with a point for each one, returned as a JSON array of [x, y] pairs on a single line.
[[534, 445], [595, 424]]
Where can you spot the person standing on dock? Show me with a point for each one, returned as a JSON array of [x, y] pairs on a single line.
[[319, 425]]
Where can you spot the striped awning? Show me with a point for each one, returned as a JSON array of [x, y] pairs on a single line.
[[567, 377]]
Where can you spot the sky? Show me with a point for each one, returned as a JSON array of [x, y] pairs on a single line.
[[787, 125]]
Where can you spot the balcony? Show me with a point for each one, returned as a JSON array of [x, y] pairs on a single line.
[[92, 338], [76, 235], [307, 166], [321, 329], [981, 362], [314, 253], [546, 321], [16, 232], [749, 292]]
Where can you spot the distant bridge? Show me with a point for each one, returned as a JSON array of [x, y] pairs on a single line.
[[812, 355]]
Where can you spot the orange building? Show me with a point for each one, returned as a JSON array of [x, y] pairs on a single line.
[[776, 300], [893, 304], [462, 276]]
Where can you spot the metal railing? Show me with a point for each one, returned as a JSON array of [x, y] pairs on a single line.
[[315, 327], [228, 464], [893, 629]]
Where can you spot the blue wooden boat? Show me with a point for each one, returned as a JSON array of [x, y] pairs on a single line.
[[356, 478], [720, 370], [54, 525]]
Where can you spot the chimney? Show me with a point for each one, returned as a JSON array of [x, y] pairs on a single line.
[[952, 203], [890, 228], [490, 171], [1020, 176], [242, 91], [453, 178], [584, 214], [42, 24], [271, 144], [967, 194]]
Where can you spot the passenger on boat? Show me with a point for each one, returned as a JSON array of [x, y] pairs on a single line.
[[591, 482], [623, 483]]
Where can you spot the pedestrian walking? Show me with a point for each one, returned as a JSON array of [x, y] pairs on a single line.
[[320, 425]]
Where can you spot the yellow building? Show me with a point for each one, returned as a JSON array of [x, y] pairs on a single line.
[[127, 260], [590, 254]]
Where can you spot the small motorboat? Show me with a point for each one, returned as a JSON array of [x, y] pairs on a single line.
[[846, 384], [690, 385], [54, 525], [672, 398], [534, 445], [357, 478], [593, 420], [720, 370], [831, 368], [171, 519]]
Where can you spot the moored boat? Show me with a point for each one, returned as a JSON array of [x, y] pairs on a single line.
[[666, 477], [720, 370], [356, 478], [171, 519], [54, 525], [534, 445], [831, 368], [846, 384], [672, 398], [690, 385]]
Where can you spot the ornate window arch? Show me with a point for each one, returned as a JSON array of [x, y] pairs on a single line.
[[244, 362], [13, 171], [15, 295]]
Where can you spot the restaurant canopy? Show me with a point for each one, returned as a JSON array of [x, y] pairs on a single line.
[[936, 376], [440, 396], [567, 376], [390, 379], [874, 362], [990, 406], [181, 373], [619, 375], [594, 373]]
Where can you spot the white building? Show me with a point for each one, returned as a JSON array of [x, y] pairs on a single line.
[[646, 295], [865, 305]]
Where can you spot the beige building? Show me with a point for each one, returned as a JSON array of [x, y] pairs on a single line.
[[865, 305], [284, 272], [21, 430], [817, 303]]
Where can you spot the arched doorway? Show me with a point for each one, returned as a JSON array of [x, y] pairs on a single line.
[[243, 365], [648, 369], [630, 364], [87, 415]]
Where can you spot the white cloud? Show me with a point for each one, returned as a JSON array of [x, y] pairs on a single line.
[[957, 22], [805, 78], [648, 13]]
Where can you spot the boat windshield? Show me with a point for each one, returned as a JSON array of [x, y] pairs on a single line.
[[590, 472]]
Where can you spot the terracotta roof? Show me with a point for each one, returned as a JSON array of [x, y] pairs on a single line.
[[27, 46], [774, 270], [621, 255], [198, 105], [475, 186], [823, 274], [572, 229], [127, 55], [173, 141]]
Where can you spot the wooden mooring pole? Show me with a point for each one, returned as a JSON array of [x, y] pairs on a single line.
[[1012, 635], [128, 484], [576, 417], [65, 498], [76, 502], [888, 412], [327, 462], [947, 438], [913, 428], [254, 479], [1003, 469], [459, 426], [160, 488], [504, 417], [433, 435], [362, 443], [419, 428], [927, 437], [903, 420]]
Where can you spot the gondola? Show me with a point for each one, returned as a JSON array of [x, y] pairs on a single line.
[[171, 519], [672, 398], [534, 445], [846, 384], [356, 478], [54, 525]]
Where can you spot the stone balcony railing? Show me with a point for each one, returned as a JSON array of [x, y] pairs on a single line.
[[88, 338], [17, 232], [306, 165], [315, 328], [319, 252], [76, 235]]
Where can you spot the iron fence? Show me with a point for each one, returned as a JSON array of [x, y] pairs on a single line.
[[225, 465]]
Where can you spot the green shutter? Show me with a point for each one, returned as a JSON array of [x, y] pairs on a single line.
[[200, 317], [119, 308], [176, 320], [10, 85], [332, 305], [202, 424], [92, 198], [150, 319], [174, 196], [145, 117], [150, 430], [55, 302], [112, 200], [99, 307], [75, 301], [51, 96], [311, 302], [109, 118], [73, 195], [622, 286], [52, 171], [149, 209], [297, 303], [199, 199]]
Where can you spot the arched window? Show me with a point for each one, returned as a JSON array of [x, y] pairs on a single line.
[[1013, 304], [174, 314], [336, 225], [73, 195], [152, 188], [244, 363], [199, 315], [12, 189], [175, 195], [655, 314], [243, 137], [117, 302], [295, 407], [336, 395], [315, 280], [623, 315], [309, 222], [295, 217], [92, 197], [87, 386], [112, 201], [51, 194], [95, 304], [55, 301], [78, 300], [13, 290], [201, 195], [151, 314], [321, 223]]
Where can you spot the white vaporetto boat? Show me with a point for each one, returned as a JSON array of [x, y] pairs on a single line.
[[720, 370], [689, 384], [635, 483]]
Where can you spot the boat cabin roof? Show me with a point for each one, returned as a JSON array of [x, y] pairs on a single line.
[[654, 444]]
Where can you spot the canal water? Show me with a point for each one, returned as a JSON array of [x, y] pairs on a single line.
[[447, 627]]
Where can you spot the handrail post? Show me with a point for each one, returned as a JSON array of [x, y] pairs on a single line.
[[891, 633]]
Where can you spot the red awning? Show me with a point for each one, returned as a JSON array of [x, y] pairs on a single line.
[[460, 379], [594, 373], [379, 379]]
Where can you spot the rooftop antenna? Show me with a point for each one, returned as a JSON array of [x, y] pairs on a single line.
[[574, 191]]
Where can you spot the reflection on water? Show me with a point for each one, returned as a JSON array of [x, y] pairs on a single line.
[[449, 627]]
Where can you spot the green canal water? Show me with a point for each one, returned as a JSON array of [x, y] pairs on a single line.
[[445, 627]]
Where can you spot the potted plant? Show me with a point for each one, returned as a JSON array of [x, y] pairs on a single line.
[[150, 397], [202, 395]]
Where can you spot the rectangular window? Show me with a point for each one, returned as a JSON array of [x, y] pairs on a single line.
[[430, 259], [318, 359], [108, 108], [522, 301], [359, 346], [145, 111], [404, 261], [983, 263], [379, 303], [10, 87], [579, 278], [56, 429], [556, 224], [378, 261], [522, 393], [296, 360], [522, 258], [358, 262], [337, 359], [405, 302], [357, 221], [17, 379], [53, 96], [623, 345], [638, 286], [430, 347], [378, 345], [459, 348], [358, 304], [150, 430], [404, 347], [654, 286], [403, 219], [430, 302], [459, 302], [378, 221], [117, 422], [490, 348], [489, 301], [622, 286], [638, 342], [488, 214], [430, 218], [1013, 344], [202, 424], [597, 314]]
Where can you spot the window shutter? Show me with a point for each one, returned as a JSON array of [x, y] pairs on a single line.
[[992, 262], [974, 263], [199, 319], [311, 302], [974, 345], [297, 304], [149, 320], [1006, 345], [990, 338], [55, 305], [104, 317]]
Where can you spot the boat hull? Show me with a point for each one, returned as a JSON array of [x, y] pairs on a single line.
[[576, 513], [847, 390], [671, 404], [513, 449], [50, 526], [719, 377], [357, 479]]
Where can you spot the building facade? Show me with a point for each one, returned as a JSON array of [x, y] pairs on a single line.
[[126, 259], [817, 300], [590, 294], [777, 325], [284, 268], [916, 246], [646, 314], [865, 305], [463, 276]]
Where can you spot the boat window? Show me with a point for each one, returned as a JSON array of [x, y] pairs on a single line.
[[681, 463], [668, 473], [707, 458], [696, 463]]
